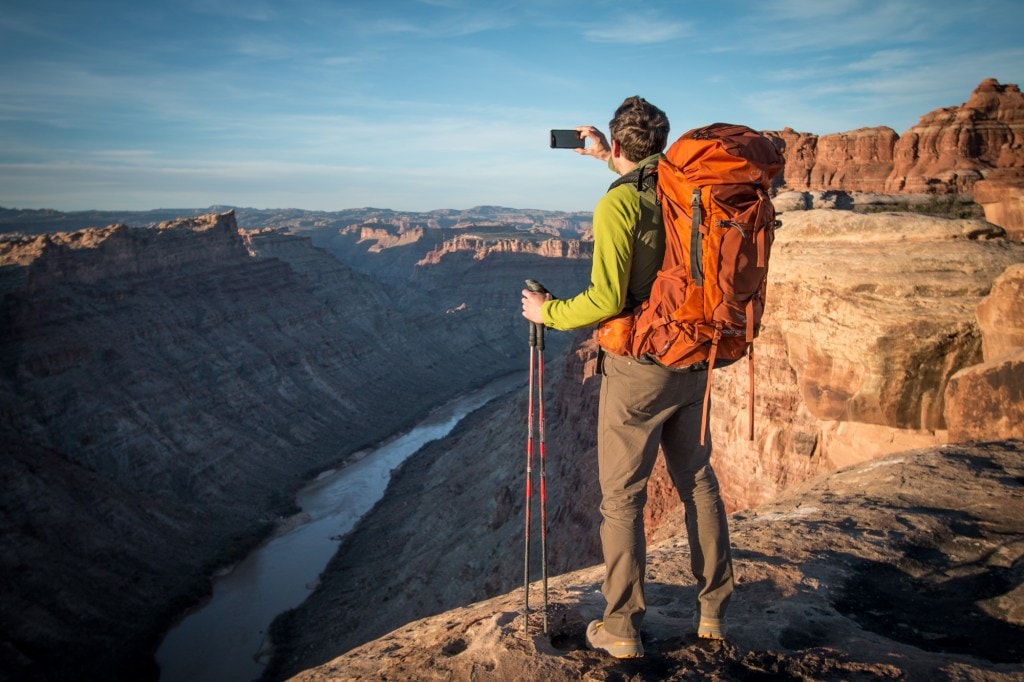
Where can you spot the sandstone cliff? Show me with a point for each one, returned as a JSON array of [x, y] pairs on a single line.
[[857, 161], [952, 148], [868, 318]]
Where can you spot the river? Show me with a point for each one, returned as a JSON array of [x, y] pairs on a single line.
[[225, 639]]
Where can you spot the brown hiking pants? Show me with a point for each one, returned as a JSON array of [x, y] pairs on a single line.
[[641, 407]]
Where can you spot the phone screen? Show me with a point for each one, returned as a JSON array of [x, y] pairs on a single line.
[[566, 139]]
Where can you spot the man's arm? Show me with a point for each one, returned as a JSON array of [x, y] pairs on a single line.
[[614, 218], [613, 251]]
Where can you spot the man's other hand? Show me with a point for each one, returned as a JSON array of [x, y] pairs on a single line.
[[532, 303], [598, 146]]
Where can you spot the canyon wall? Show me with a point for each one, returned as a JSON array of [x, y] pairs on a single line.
[[481, 248], [869, 317], [986, 400], [164, 393]]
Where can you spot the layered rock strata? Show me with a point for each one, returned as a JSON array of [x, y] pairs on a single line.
[[482, 247], [946, 152], [857, 161]]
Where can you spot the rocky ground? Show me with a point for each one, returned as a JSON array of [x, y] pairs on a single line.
[[905, 568]]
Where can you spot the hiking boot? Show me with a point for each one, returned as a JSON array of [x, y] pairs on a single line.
[[600, 639], [709, 628]]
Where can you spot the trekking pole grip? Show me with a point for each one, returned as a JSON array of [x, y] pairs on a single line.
[[536, 330], [534, 285]]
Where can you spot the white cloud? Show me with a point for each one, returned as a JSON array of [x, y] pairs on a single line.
[[886, 60], [638, 31], [249, 10]]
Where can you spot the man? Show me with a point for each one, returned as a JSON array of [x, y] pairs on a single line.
[[642, 404]]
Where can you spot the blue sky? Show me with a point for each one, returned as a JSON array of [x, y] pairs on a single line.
[[427, 104]]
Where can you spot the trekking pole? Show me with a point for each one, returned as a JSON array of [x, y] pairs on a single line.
[[537, 350], [543, 477], [529, 480]]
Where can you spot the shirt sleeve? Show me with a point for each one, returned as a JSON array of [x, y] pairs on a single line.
[[615, 216]]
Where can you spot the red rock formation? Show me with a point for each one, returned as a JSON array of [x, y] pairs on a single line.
[[857, 161], [386, 239], [948, 151], [952, 148], [986, 401], [799, 150], [869, 317], [1001, 314], [481, 247]]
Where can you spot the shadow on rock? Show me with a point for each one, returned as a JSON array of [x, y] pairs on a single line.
[[935, 611]]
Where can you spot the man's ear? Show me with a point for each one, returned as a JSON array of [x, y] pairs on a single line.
[[616, 149]]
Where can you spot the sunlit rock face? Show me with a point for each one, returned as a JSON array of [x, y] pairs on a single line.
[[986, 401], [1002, 198], [868, 318], [856, 161], [952, 148], [946, 152]]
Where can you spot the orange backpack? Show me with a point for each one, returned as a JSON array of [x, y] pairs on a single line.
[[708, 298]]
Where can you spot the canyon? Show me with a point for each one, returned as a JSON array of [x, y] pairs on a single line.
[[165, 392], [167, 387]]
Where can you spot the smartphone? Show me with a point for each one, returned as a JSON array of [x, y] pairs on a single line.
[[566, 139]]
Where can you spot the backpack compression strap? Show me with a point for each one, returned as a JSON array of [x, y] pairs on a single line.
[[696, 258]]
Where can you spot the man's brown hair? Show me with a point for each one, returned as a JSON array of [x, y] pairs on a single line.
[[640, 128]]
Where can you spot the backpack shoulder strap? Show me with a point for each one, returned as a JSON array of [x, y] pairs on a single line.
[[645, 181], [643, 178]]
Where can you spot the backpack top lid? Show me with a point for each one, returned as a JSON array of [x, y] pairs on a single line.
[[720, 154]]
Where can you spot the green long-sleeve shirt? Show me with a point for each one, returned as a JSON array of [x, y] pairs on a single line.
[[629, 244]]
